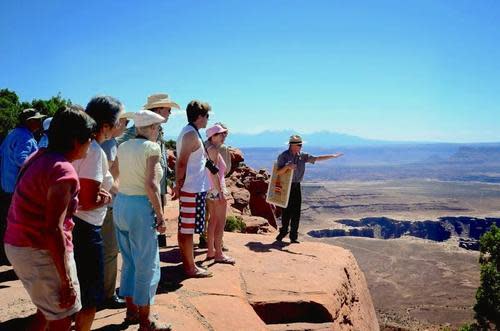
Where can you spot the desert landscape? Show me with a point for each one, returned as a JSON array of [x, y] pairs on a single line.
[[416, 283]]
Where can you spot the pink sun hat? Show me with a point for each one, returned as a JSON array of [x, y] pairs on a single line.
[[214, 130]]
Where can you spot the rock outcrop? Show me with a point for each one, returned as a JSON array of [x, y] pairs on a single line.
[[307, 286], [248, 188]]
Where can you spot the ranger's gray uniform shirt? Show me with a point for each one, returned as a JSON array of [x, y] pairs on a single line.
[[300, 160]]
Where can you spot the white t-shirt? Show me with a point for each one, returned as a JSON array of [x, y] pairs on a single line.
[[94, 166], [132, 156]]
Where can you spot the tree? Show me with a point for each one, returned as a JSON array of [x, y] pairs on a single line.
[[9, 111], [11, 107], [487, 307]]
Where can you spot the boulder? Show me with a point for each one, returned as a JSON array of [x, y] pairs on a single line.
[[241, 198], [258, 204], [236, 158], [256, 224]]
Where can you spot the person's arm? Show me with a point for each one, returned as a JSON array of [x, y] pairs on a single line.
[[189, 144], [328, 156], [153, 191], [23, 149], [115, 172], [59, 196], [213, 153], [283, 166], [91, 173], [91, 195], [287, 167]]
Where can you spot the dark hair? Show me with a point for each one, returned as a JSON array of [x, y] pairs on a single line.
[[104, 110], [69, 125], [197, 108]]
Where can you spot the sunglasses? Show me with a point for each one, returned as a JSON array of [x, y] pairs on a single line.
[[207, 115]]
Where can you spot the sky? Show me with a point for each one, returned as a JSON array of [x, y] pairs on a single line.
[[422, 70]]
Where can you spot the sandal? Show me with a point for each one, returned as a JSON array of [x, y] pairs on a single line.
[[200, 274], [226, 260], [131, 318], [155, 327]]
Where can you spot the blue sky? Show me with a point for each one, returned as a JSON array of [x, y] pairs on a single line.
[[396, 70]]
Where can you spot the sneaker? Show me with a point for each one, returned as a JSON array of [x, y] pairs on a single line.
[[115, 302]]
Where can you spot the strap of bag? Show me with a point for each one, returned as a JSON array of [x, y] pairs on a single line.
[[202, 143]]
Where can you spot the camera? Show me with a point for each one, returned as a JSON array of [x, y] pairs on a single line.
[[210, 165]]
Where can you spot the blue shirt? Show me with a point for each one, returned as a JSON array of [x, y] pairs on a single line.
[[300, 160], [110, 147], [44, 141], [15, 149]]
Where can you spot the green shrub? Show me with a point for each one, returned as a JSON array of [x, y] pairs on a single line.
[[234, 224], [469, 327], [487, 305]]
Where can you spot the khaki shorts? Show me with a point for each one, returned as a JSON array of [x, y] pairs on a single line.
[[37, 271]]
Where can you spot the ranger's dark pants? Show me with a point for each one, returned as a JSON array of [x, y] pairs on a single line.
[[292, 213]]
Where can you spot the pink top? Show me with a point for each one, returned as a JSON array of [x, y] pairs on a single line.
[[26, 223], [222, 170]]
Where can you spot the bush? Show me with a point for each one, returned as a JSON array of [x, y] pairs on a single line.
[[234, 224], [487, 307], [11, 107]]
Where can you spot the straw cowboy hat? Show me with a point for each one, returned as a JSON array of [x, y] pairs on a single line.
[[30, 114], [160, 100]]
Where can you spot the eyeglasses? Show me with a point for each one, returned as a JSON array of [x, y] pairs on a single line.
[[159, 109]]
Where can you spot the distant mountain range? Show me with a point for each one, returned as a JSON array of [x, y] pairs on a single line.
[[321, 139], [317, 139]]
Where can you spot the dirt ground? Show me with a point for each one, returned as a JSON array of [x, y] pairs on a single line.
[[415, 284]]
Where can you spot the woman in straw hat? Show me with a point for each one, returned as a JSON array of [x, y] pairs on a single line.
[[138, 215]]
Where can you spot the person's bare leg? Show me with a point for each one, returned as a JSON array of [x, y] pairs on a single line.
[[84, 319], [144, 320], [212, 225], [132, 310], [38, 323], [187, 253], [60, 325], [219, 232]]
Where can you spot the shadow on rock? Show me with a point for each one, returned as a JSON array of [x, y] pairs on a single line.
[[7, 276], [21, 323], [266, 248], [113, 327]]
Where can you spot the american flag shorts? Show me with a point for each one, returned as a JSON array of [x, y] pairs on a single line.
[[192, 212]]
